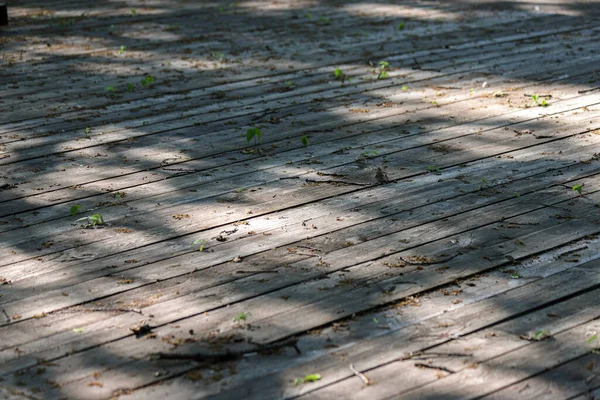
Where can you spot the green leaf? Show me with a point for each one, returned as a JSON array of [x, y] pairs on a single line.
[[590, 340], [243, 316], [75, 209], [253, 133], [404, 88], [109, 89], [578, 188], [304, 141], [130, 87], [307, 378], [78, 330], [147, 80], [401, 26], [541, 335]]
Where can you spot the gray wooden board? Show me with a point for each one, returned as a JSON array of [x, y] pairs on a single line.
[[565, 381], [81, 141], [414, 197], [476, 349], [332, 61], [525, 295], [128, 346], [285, 145], [195, 47], [404, 166], [335, 266], [398, 376]]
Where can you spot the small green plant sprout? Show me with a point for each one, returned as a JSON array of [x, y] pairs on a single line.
[[87, 131], [130, 87], [578, 188], [404, 88], [109, 89], [122, 49], [434, 169], [515, 275], [75, 209], [369, 154], [384, 66], [324, 21], [304, 141], [174, 27], [340, 75], [592, 339], [200, 243], [536, 101], [401, 26], [133, 12], [541, 335], [253, 133], [147, 81], [307, 378], [93, 220], [483, 185], [243, 316], [309, 16], [217, 55]]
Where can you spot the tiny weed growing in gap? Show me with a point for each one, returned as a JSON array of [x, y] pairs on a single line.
[[324, 21], [369, 154], [309, 16], [174, 27], [307, 378], [536, 101], [541, 335], [122, 49], [130, 87], [75, 209], [253, 133], [404, 88], [133, 12], [482, 185], [434, 169], [401, 26], [243, 316], [578, 188], [109, 89], [93, 220], [595, 338], [147, 81], [217, 55], [383, 70], [340, 75], [200, 243], [304, 141], [87, 131]]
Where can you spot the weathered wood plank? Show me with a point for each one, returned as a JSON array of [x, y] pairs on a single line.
[[565, 381], [223, 316]]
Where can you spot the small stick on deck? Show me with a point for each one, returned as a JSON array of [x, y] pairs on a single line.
[[6, 315], [362, 376], [588, 90]]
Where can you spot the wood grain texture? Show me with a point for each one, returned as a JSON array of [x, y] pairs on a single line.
[[387, 213]]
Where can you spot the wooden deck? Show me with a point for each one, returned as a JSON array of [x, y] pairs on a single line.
[[427, 230]]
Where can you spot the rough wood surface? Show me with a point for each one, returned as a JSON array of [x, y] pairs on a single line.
[[387, 215]]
